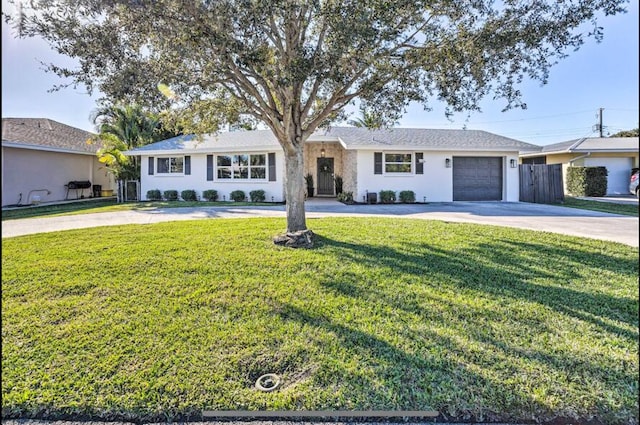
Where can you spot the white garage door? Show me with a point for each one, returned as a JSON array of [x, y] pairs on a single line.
[[618, 170]]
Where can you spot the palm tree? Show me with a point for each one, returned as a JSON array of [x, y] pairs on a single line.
[[369, 119], [121, 128]]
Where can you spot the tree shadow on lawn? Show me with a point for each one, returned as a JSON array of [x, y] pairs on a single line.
[[481, 269], [397, 380], [500, 269]]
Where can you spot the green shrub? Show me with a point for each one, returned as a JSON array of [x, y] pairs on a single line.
[[345, 197], [587, 181], [407, 197], [189, 195], [238, 196], [170, 195], [210, 195], [387, 196], [257, 195], [154, 195]]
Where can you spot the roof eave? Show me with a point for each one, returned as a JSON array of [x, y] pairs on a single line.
[[192, 151], [8, 144]]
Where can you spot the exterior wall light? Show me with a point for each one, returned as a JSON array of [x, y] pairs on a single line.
[[322, 152], [447, 162], [513, 163]]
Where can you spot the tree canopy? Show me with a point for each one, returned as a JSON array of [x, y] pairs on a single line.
[[294, 65], [627, 133]]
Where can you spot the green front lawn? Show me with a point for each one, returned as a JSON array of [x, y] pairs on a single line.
[[159, 322], [607, 207]]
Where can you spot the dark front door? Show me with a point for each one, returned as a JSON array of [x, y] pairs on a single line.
[[325, 176]]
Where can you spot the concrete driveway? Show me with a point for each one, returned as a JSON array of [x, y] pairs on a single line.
[[546, 218]]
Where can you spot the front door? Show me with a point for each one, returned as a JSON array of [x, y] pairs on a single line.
[[325, 176]]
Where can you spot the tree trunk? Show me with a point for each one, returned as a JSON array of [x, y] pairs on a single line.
[[294, 189]]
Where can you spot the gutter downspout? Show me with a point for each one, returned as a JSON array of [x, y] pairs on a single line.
[[571, 161]]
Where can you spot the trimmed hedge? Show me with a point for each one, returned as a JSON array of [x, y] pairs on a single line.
[[170, 195], [387, 196], [210, 195], [154, 195], [238, 196], [587, 181], [257, 196], [407, 197], [189, 195]]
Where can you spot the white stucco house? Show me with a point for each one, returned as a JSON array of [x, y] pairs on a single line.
[[438, 165], [618, 154], [41, 156]]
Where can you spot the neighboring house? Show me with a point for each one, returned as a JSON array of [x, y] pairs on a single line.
[[438, 165], [618, 154], [40, 156]]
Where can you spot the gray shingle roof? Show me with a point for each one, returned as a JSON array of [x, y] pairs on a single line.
[[45, 134], [593, 144], [427, 138], [351, 137]]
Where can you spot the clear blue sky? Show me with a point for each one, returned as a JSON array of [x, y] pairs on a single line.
[[599, 75]]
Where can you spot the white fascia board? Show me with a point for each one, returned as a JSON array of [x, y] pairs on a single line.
[[6, 144], [621, 150], [204, 151], [434, 149]]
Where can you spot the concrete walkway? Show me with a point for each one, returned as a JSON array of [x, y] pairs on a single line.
[[546, 218]]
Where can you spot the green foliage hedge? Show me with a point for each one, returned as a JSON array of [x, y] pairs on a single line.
[[257, 196], [189, 195], [238, 196], [407, 196], [587, 181], [154, 195], [387, 196], [170, 195], [210, 195]]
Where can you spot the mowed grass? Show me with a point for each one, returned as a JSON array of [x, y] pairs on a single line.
[[160, 322], [608, 207]]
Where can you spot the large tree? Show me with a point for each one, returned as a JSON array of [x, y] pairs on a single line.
[[294, 65]]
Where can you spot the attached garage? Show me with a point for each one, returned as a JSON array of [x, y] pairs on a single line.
[[477, 178]]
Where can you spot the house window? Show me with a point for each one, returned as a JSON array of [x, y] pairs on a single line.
[[172, 165], [397, 163], [242, 167]]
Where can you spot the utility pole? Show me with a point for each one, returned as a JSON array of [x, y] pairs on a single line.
[[599, 126]]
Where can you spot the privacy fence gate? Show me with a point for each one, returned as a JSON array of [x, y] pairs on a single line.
[[128, 190], [541, 184]]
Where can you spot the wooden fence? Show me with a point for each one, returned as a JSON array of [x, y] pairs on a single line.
[[541, 184]]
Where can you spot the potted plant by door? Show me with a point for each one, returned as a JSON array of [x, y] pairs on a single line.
[[309, 181]]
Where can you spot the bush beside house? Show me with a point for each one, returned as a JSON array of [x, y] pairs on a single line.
[[587, 181], [154, 195], [210, 195], [387, 196]]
